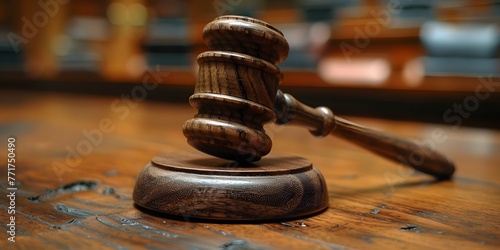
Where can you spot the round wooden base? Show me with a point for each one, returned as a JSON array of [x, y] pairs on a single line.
[[193, 185]]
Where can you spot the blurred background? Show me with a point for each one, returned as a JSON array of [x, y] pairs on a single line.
[[426, 60]]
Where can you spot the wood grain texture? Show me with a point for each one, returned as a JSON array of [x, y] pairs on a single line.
[[321, 122], [419, 157], [374, 203], [248, 36], [236, 88]]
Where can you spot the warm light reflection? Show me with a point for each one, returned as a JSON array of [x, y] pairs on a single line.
[[117, 13], [136, 65], [413, 72], [362, 71], [121, 14], [138, 14]]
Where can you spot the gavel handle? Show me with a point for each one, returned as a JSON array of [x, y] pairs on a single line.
[[321, 122]]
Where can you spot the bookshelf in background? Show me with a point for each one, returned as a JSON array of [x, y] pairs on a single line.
[[363, 44]]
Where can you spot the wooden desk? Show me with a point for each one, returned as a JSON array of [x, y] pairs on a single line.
[[86, 203]]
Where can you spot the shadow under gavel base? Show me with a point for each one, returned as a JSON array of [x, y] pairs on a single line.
[[194, 185]]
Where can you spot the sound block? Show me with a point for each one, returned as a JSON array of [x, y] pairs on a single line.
[[194, 185]]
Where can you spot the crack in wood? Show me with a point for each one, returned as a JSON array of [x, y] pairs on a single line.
[[239, 245], [78, 186], [63, 208]]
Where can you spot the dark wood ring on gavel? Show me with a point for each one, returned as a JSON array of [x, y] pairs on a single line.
[[237, 92]]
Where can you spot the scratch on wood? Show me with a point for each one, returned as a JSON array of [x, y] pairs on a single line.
[[108, 191], [75, 221], [286, 224], [73, 211], [217, 231], [71, 222], [112, 172], [410, 227], [136, 225], [298, 223], [239, 245], [77, 186], [123, 197], [95, 204], [112, 191]]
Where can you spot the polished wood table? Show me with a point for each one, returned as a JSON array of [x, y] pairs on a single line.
[[77, 158]]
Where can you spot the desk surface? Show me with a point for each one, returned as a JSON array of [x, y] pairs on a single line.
[[74, 188]]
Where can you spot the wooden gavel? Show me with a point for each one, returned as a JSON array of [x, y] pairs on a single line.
[[237, 92]]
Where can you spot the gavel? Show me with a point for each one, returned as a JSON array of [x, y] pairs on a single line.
[[236, 93]]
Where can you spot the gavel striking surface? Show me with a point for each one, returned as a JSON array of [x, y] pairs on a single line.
[[199, 186]]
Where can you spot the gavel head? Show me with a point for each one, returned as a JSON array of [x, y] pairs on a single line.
[[236, 88]]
